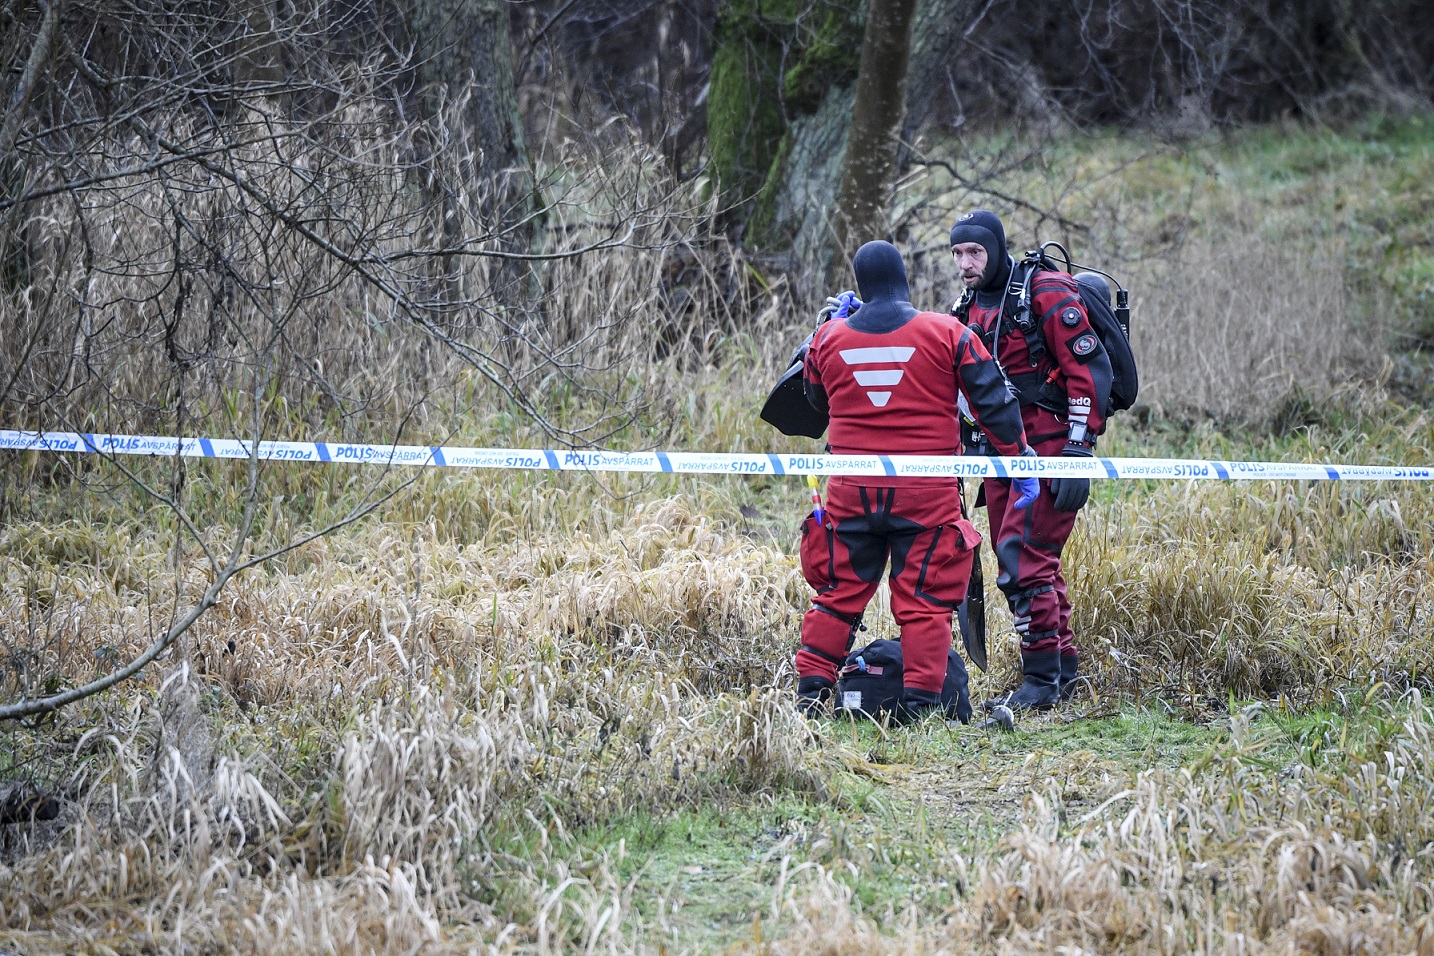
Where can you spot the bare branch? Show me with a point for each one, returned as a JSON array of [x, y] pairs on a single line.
[[998, 194]]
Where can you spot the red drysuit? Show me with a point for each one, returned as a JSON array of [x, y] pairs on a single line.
[[1062, 385], [889, 377]]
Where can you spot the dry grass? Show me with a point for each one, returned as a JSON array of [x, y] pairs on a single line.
[[159, 302], [1251, 262], [1227, 857], [386, 741], [1312, 859], [1239, 318], [404, 723], [394, 751]]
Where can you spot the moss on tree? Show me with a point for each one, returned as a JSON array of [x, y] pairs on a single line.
[[763, 221], [773, 62], [744, 110], [830, 58]]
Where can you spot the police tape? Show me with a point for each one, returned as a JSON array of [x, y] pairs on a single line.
[[703, 463]]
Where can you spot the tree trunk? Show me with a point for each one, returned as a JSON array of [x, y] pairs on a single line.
[[259, 60], [869, 170], [465, 48], [803, 184], [14, 249], [938, 46], [464, 53], [804, 189]]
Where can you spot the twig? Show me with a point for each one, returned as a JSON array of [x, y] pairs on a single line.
[[1064, 223]]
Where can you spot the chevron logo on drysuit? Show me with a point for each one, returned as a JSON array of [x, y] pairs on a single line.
[[870, 378]]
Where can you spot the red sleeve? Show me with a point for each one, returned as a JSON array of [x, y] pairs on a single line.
[[1084, 368], [811, 371]]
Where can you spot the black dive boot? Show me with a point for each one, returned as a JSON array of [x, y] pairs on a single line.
[[915, 705], [956, 689], [814, 697], [1040, 690], [1070, 676]]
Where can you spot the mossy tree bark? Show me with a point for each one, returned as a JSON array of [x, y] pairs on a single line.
[[773, 63], [869, 169], [464, 52], [744, 101]]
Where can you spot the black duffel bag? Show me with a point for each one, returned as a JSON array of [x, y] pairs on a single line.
[[869, 683]]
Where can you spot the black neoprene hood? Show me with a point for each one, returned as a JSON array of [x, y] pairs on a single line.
[[984, 228], [881, 280], [880, 273]]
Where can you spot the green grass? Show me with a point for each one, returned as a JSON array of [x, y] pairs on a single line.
[[907, 802], [706, 873], [705, 879]]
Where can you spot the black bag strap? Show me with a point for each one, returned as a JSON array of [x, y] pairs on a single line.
[[838, 661], [1017, 308]]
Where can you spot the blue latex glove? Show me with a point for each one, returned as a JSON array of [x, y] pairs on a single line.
[[1027, 490], [846, 304]]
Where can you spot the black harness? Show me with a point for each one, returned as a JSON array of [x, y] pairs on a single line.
[[1015, 307], [1030, 387]]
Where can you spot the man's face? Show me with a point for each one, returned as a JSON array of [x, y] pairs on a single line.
[[970, 261]]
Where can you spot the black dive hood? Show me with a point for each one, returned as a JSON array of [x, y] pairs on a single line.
[[885, 294], [985, 228], [998, 277]]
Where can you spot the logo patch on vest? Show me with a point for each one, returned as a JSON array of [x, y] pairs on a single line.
[[878, 377], [1085, 345], [1071, 318]]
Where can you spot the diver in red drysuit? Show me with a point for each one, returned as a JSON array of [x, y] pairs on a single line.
[[889, 378], [1062, 377]]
